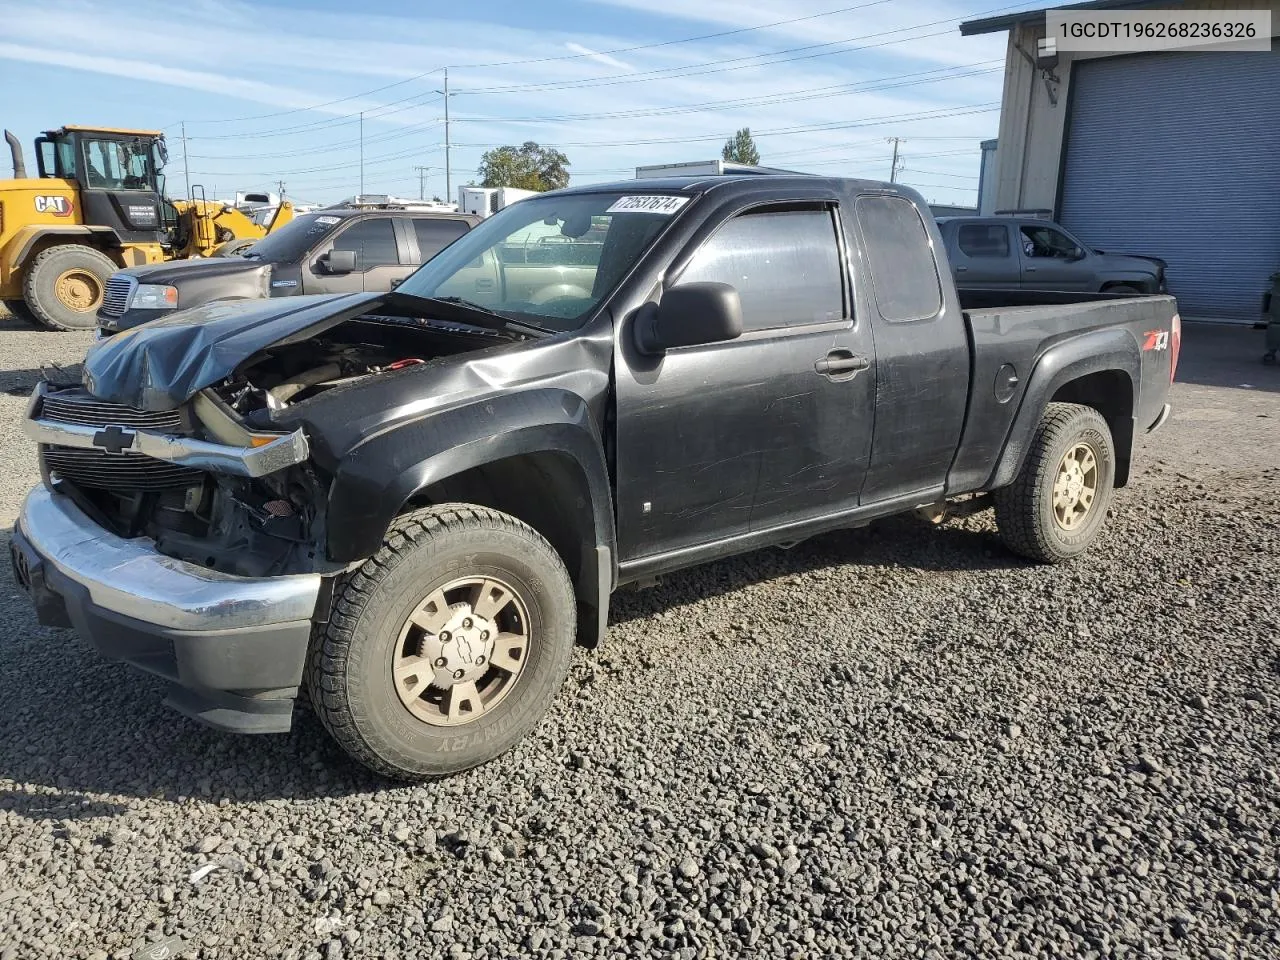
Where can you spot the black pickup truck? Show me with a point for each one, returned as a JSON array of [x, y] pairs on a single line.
[[414, 503]]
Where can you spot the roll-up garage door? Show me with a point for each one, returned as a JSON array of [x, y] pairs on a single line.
[[1177, 155]]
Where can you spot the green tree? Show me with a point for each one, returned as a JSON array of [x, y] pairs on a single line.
[[741, 148], [526, 167]]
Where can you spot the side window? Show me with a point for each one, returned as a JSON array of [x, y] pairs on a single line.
[[435, 235], [373, 240], [983, 240], [785, 266], [904, 274], [1047, 242]]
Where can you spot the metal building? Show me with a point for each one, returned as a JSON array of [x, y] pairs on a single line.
[[1170, 154]]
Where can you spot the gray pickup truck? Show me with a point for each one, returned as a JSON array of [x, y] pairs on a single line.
[[1023, 253], [329, 251]]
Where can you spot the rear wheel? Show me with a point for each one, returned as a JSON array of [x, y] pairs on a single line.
[[1057, 505], [446, 647], [1126, 289], [65, 285]]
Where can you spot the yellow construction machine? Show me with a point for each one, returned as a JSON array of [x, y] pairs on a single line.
[[98, 204]]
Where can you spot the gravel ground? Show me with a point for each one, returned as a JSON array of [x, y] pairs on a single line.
[[899, 741]]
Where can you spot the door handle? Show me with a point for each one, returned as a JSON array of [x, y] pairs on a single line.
[[840, 364], [1029, 269], [962, 269]]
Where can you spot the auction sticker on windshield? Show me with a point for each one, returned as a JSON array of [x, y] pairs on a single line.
[[648, 204]]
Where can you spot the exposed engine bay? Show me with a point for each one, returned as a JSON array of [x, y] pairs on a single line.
[[366, 347], [247, 526]]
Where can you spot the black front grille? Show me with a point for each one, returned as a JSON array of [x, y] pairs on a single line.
[[125, 472], [122, 472], [79, 407], [118, 294]]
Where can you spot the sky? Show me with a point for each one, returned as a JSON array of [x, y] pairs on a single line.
[[273, 91]]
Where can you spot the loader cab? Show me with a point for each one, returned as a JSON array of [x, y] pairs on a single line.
[[119, 175]]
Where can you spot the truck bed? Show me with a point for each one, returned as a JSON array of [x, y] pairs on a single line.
[[1043, 339]]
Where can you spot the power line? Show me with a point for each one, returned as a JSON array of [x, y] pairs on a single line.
[[668, 73], [940, 114], [761, 100], [567, 57]]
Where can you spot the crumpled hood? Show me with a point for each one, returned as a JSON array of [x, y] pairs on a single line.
[[162, 364]]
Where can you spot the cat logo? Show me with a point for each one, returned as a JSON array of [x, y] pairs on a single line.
[[58, 206]]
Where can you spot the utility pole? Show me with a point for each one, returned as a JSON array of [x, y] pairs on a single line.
[[448, 170], [422, 182], [893, 172], [186, 171], [361, 154]]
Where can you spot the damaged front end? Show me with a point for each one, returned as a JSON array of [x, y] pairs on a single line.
[[180, 434]]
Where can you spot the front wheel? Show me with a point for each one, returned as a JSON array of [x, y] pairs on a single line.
[[65, 285], [446, 647], [1056, 506]]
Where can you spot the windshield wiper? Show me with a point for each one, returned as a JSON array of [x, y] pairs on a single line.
[[482, 315]]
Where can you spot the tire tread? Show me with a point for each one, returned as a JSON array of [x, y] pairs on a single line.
[[331, 645], [1018, 505]]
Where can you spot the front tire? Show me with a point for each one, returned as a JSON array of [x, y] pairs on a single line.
[[1057, 505], [65, 285], [447, 646]]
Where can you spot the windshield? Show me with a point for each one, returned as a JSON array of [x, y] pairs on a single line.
[[547, 261], [294, 239]]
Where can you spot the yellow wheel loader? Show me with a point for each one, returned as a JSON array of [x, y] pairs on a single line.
[[98, 204]]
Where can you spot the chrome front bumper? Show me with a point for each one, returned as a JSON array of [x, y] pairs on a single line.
[[233, 647], [129, 578]]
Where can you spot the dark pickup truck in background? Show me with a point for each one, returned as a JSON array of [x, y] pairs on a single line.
[[329, 251], [414, 502], [1025, 253]]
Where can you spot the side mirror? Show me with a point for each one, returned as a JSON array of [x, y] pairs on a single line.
[[339, 261], [1077, 254], [689, 315]]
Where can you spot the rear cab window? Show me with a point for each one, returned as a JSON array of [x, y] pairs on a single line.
[[784, 263], [434, 234], [904, 272]]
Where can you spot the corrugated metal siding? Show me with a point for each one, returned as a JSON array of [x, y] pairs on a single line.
[[1177, 155]]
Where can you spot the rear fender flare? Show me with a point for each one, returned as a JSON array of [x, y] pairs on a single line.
[[1097, 351]]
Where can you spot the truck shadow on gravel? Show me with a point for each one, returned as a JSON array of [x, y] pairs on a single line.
[[901, 543], [20, 382], [79, 727]]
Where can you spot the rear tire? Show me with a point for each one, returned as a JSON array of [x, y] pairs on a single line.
[[1057, 505], [65, 285], [20, 311], [404, 678], [1125, 288]]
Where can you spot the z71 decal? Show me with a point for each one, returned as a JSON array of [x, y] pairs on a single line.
[[58, 206], [1156, 340]]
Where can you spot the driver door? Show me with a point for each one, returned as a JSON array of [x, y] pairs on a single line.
[[1048, 262], [377, 247]]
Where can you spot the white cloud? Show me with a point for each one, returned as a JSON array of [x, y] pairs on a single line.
[[278, 60], [590, 54]]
